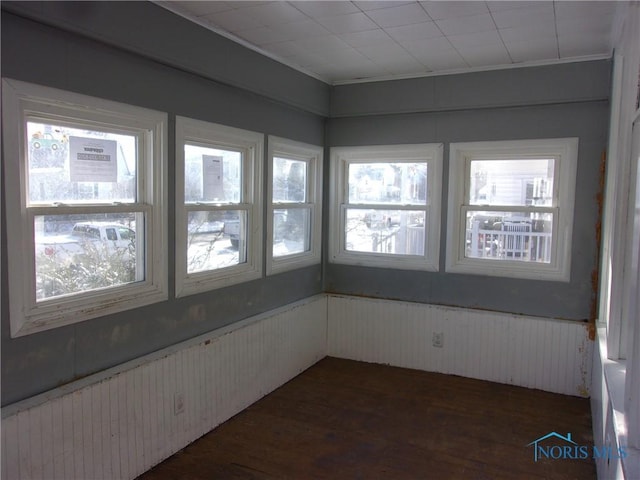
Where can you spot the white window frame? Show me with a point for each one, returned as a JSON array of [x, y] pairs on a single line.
[[24, 100], [565, 153], [341, 157], [312, 156], [251, 144]]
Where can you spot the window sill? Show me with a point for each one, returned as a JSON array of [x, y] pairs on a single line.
[[509, 269]]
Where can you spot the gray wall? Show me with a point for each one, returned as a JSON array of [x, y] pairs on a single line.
[[563, 101], [49, 56], [105, 49], [153, 32]]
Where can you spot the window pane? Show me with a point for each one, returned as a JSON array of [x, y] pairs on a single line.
[[216, 239], [291, 231], [289, 180], [511, 182], [399, 183], [212, 175], [83, 252], [524, 237], [75, 165], [396, 232]]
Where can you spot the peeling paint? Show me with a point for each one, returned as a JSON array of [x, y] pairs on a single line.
[[583, 389], [595, 274]]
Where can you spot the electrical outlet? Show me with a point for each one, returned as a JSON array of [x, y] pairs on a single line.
[[178, 403], [438, 339]]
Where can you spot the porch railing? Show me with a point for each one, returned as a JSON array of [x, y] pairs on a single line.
[[511, 242]]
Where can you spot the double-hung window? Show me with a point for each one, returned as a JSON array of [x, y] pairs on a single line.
[[218, 211], [85, 189], [386, 205], [511, 208], [295, 216]]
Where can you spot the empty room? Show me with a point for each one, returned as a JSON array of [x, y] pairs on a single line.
[[320, 239]]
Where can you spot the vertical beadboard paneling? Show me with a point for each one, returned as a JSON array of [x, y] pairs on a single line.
[[10, 453], [57, 443], [540, 353], [124, 423]]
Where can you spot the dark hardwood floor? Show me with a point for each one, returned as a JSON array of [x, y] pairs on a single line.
[[342, 419]]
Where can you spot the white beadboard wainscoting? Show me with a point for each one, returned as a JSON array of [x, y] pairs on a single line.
[[122, 422], [545, 354]]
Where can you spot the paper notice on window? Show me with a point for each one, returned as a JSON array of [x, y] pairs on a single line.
[[93, 160], [212, 187]]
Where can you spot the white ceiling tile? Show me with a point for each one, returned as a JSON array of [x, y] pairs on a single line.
[[361, 72], [531, 51], [517, 17], [246, 3], [337, 41], [325, 44], [303, 29], [199, 9], [233, 21], [309, 60], [443, 60], [585, 25], [347, 56], [261, 36], [528, 33], [404, 67], [440, 10], [583, 44], [325, 9], [465, 25], [419, 47], [377, 52], [368, 5], [570, 9], [415, 32], [485, 56], [500, 5], [479, 39], [366, 38], [285, 49], [274, 13], [352, 22], [398, 16]]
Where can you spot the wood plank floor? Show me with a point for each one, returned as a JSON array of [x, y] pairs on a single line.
[[342, 419]]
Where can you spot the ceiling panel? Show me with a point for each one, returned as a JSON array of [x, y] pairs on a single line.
[[343, 41]]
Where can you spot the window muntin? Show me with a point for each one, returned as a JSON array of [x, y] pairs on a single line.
[[98, 165], [213, 179], [290, 226], [79, 253], [386, 203], [212, 174], [509, 235], [72, 164], [210, 243], [385, 232], [511, 182], [523, 234], [291, 231], [289, 180], [294, 209], [402, 183], [218, 222], [511, 218]]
